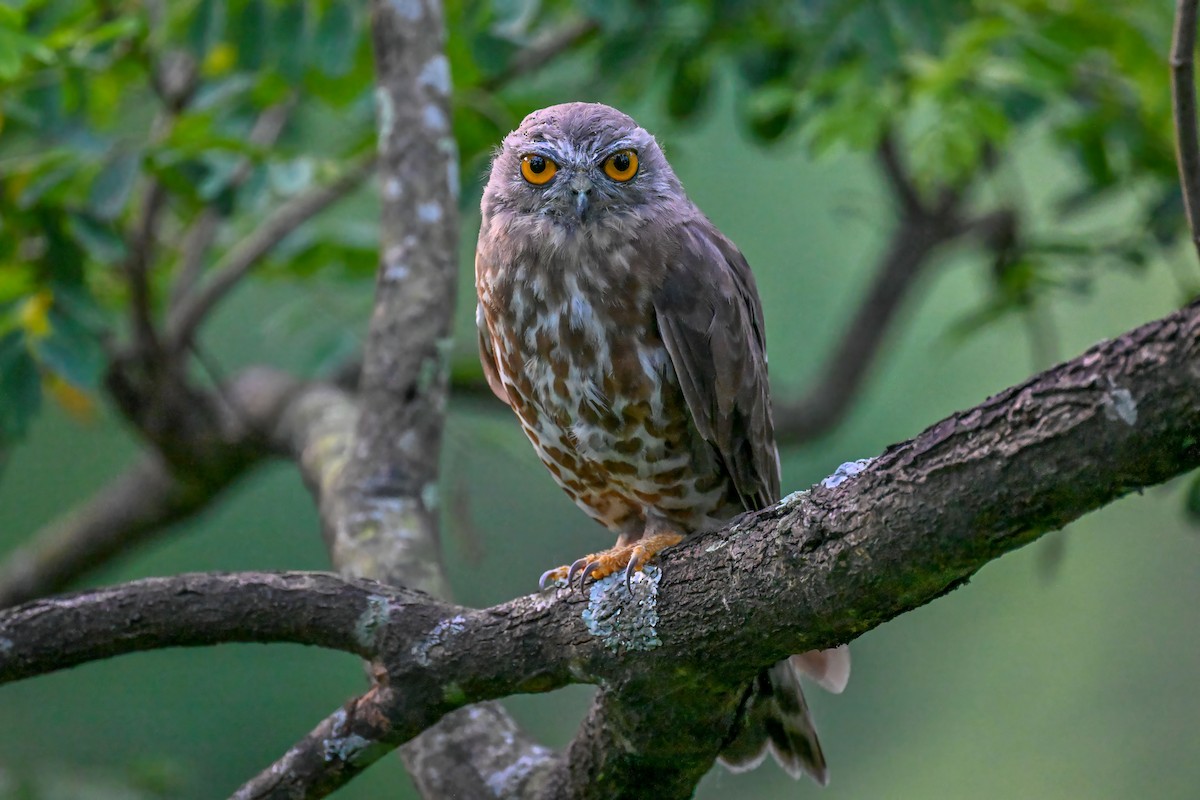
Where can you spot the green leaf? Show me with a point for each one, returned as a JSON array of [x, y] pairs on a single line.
[[251, 31], [289, 40], [20, 387], [220, 166], [97, 237], [71, 351], [205, 27], [292, 177], [114, 183], [10, 54], [691, 85], [336, 37]]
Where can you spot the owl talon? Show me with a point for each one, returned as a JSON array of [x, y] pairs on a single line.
[[636, 561], [588, 571], [551, 576], [576, 567]]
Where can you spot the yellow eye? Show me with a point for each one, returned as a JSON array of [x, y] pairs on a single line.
[[537, 169], [621, 165]]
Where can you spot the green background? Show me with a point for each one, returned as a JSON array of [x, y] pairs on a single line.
[[1045, 677]]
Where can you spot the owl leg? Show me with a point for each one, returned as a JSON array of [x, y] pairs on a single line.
[[630, 554]]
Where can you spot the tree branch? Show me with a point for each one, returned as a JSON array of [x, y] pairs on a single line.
[[152, 494], [542, 51], [197, 609], [137, 268], [246, 254], [818, 569], [142, 500], [377, 485], [1183, 92], [201, 234], [921, 233]]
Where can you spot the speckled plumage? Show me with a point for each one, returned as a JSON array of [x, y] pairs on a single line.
[[626, 333]]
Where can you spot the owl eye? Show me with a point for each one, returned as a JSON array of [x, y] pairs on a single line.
[[621, 165], [537, 169]]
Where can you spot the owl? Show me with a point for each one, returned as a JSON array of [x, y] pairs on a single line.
[[626, 333]]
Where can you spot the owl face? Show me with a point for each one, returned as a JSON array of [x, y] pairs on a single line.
[[579, 165]]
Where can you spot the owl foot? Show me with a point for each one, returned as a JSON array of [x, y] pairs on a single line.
[[630, 557]]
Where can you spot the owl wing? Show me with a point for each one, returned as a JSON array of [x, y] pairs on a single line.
[[487, 356], [711, 321]]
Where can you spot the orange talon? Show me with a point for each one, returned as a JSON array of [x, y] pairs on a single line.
[[629, 557]]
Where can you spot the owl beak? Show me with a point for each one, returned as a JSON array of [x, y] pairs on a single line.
[[582, 187]]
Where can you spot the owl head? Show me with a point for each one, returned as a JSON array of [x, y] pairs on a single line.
[[577, 165]]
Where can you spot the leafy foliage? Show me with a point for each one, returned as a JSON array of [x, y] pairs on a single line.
[[125, 124]]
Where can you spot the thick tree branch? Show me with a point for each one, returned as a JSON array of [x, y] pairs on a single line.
[[198, 609], [377, 487], [1183, 93], [818, 569]]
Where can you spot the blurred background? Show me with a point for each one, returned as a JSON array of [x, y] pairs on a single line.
[[1066, 669]]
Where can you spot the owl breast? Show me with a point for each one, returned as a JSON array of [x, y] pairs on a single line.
[[587, 374]]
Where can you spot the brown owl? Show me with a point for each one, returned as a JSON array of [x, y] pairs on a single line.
[[627, 334]]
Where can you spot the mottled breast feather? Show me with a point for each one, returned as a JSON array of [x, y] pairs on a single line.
[[635, 362]]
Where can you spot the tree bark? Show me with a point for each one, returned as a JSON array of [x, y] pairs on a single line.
[[876, 539]]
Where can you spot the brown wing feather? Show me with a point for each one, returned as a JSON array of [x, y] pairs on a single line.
[[487, 357], [711, 321]]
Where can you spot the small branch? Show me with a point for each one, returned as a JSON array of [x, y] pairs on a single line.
[[898, 179], [137, 268], [200, 236], [1183, 92], [142, 500], [246, 254], [150, 496], [918, 237], [542, 51], [345, 743]]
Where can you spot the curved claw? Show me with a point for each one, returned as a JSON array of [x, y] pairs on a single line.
[[576, 567], [548, 576], [636, 559], [587, 573]]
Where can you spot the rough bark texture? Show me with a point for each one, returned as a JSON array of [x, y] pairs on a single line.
[[872, 541], [381, 522]]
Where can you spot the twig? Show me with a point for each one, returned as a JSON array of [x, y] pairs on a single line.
[[246, 254], [898, 179], [1183, 92], [144, 499], [148, 497], [911, 250], [137, 268], [199, 237], [923, 229], [344, 744], [542, 51]]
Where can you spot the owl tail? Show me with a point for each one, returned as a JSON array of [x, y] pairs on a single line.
[[774, 716]]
